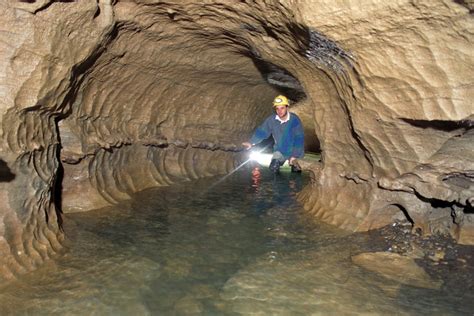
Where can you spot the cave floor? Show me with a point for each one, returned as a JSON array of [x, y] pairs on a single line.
[[240, 247]]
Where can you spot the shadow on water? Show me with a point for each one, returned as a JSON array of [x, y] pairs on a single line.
[[5, 174]]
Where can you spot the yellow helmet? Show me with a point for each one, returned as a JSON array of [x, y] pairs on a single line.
[[280, 100]]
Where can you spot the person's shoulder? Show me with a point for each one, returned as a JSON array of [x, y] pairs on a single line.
[[295, 117], [270, 118]]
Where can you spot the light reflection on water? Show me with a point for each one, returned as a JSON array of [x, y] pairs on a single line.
[[243, 247]]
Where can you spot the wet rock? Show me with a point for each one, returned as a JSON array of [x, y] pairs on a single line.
[[188, 305], [415, 252], [461, 260], [120, 96], [313, 283], [438, 255], [396, 267], [177, 268]]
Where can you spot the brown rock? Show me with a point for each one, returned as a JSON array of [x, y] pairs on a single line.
[[396, 267], [103, 98], [188, 305]]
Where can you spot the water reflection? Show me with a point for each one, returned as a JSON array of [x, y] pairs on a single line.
[[242, 247]]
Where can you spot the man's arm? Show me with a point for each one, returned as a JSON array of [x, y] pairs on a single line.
[[298, 140], [261, 133]]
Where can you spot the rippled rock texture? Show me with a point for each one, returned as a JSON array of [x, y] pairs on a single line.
[[104, 98]]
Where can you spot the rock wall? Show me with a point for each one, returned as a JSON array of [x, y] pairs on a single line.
[[39, 74], [403, 111], [105, 98]]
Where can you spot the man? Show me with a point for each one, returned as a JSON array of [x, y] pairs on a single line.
[[287, 132]]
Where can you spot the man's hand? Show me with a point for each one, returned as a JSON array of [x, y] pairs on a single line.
[[247, 145], [295, 166]]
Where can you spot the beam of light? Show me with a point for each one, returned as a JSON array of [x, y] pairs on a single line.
[[253, 153], [229, 174], [263, 159]]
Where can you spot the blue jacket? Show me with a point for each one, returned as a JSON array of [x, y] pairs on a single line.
[[288, 136]]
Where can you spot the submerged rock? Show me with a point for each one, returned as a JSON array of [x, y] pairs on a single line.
[[396, 267]]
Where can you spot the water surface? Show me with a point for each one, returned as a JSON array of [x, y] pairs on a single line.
[[242, 247]]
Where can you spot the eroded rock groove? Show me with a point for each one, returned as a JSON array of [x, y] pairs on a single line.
[[105, 98]]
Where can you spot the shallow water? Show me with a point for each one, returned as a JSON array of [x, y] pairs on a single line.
[[243, 247]]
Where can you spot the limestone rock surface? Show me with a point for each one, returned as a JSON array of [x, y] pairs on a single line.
[[100, 99], [396, 267]]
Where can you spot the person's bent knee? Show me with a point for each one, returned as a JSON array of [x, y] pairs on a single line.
[[279, 156]]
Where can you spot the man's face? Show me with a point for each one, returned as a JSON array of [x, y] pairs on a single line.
[[281, 111]]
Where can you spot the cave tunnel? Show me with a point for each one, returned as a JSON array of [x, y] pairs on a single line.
[[109, 98], [185, 86]]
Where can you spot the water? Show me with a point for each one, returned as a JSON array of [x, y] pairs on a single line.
[[244, 247]]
